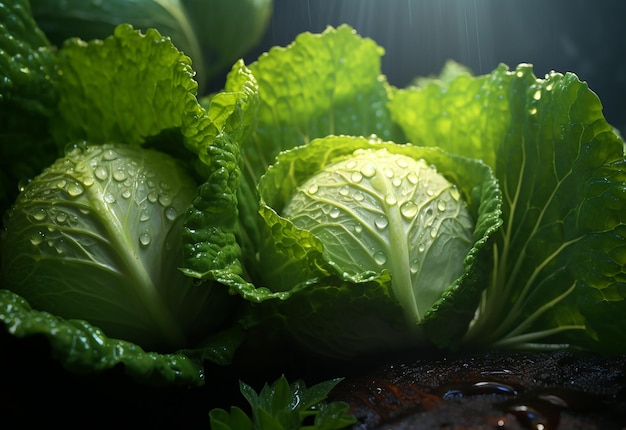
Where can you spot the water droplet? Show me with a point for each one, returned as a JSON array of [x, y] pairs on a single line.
[[412, 178], [381, 222], [119, 175], [61, 184], [75, 190], [408, 209], [109, 155], [314, 188], [144, 215], [126, 194], [109, 198], [421, 247], [334, 212], [145, 239], [380, 257], [368, 170], [358, 228], [430, 192], [414, 267], [153, 196], [356, 177], [537, 95], [351, 165], [171, 213], [88, 181], [61, 217], [396, 182], [533, 111], [433, 233], [454, 193], [165, 199], [40, 215], [391, 199], [101, 173], [344, 191], [441, 205], [359, 196], [402, 163], [36, 239], [388, 171]]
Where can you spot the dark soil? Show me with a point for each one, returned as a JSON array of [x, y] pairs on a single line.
[[494, 390], [421, 390]]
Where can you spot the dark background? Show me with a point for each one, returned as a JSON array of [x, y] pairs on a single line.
[[586, 37]]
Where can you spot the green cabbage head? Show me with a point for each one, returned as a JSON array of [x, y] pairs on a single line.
[[97, 237], [367, 245], [379, 210]]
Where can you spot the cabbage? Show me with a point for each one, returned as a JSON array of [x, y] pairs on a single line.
[[381, 211], [97, 236], [207, 31]]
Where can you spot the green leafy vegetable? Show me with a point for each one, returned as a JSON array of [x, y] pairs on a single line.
[[558, 268], [28, 97], [83, 348], [120, 238], [345, 311], [304, 201], [207, 31], [385, 211], [285, 406], [97, 236]]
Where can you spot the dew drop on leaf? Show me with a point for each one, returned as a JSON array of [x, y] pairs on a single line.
[[145, 239], [171, 213], [40, 215], [391, 199], [356, 177], [165, 199], [408, 209], [414, 267], [380, 257], [368, 170], [75, 190], [144, 215], [109, 155], [119, 175], [381, 222], [101, 173]]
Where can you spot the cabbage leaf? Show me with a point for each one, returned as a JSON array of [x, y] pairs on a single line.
[[133, 89], [559, 261]]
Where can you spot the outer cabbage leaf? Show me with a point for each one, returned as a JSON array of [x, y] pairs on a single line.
[[87, 20], [210, 244], [558, 277], [28, 96], [83, 348], [343, 315], [321, 84], [138, 89], [125, 88], [218, 26]]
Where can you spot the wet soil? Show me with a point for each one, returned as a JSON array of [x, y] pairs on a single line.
[[493, 390], [421, 390]]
